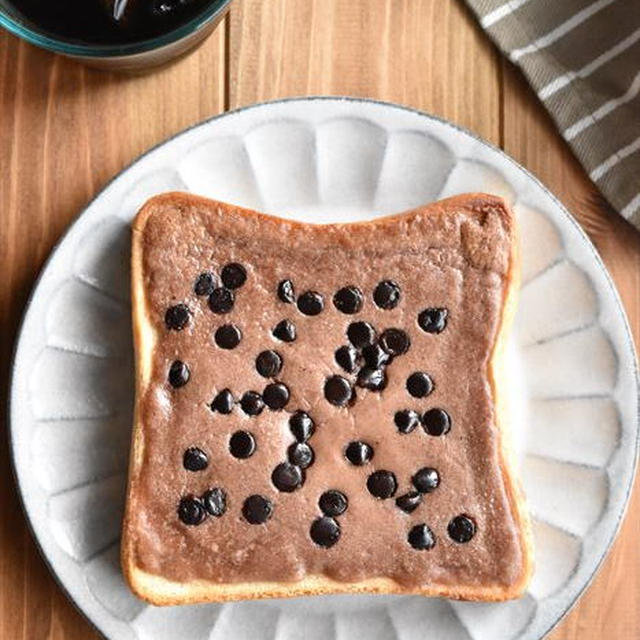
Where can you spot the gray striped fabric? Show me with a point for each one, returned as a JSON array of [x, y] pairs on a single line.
[[582, 58]]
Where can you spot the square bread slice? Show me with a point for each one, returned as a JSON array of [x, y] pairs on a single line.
[[321, 408]]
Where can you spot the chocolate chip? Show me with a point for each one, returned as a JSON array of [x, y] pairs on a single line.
[[195, 459], [276, 396], [375, 356], [358, 453], [436, 422], [215, 501], [257, 509], [205, 284], [426, 480], [409, 502], [348, 300], [338, 391], [347, 358], [387, 294], [242, 444], [433, 320], [382, 484], [361, 334], [286, 291], [421, 538], [406, 420], [223, 402], [233, 275], [300, 454], [395, 341], [268, 363], [287, 477], [302, 426], [191, 511], [221, 300], [310, 303], [372, 379], [228, 336], [252, 403], [178, 374], [285, 330], [461, 529], [333, 503], [325, 532], [419, 384], [177, 317]]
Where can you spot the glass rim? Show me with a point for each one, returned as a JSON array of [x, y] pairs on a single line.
[[58, 45]]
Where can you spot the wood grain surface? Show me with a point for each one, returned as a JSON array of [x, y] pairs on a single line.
[[66, 130]]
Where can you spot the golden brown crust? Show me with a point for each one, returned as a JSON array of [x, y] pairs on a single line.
[[160, 591]]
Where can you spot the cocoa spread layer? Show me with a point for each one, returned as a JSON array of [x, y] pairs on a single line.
[[319, 401]]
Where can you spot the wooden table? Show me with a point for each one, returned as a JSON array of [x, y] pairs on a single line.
[[66, 130]]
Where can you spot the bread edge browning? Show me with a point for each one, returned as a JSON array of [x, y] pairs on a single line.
[[160, 591]]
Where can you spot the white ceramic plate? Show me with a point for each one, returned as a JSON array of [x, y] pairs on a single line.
[[575, 395]]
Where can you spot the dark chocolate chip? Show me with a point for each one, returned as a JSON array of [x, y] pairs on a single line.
[[177, 317], [178, 374], [233, 275], [228, 336], [286, 291], [361, 334], [223, 402], [436, 422], [433, 320], [302, 426], [358, 453], [406, 420], [348, 300], [395, 341], [242, 444], [461, 529], [300, 454], [205, 284], [285, 330], [338, 391], [215, 501], [310, 303], [375, 356], [387, 294], [257, 509], [269, 363], [287, 477], [252, 403], [419, 384], [276, 396], [333, 503], [191, 511], [195, 459], [382, 484], [325, 532], [409, 502], [421, 538], [426, 480], [372, 379], [221, 300], [347, 358]]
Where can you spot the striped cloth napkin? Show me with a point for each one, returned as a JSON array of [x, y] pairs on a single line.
[[582, 57]]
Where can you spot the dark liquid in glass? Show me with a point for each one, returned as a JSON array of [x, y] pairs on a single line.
[[94, 22]]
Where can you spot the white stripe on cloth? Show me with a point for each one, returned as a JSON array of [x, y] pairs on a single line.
[[631, 207], [604, 110], [561, 30], [562, 81], [614, 158], [497, 14]]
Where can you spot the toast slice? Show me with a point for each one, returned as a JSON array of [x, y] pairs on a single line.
[[321, 408]]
